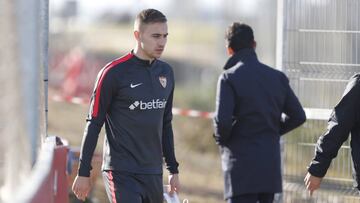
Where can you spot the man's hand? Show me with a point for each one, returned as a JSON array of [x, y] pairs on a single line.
[[174, 183], [81, 187], [312, 183]]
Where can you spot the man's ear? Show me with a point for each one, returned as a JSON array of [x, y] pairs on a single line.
[[254, 44], [230, 51], [137, 35]]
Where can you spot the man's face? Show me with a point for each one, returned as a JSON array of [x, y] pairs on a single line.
[[152, 39]]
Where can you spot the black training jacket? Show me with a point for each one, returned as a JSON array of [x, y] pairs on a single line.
[[133, 97], [344, 119]]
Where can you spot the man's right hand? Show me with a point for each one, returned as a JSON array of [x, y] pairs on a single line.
[[81, 187], [174, 183]]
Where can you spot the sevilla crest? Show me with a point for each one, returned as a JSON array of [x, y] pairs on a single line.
[[163, 81]]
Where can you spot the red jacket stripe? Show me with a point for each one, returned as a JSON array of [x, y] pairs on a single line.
[[95, 109]]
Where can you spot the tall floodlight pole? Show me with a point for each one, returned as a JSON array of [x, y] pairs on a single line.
[[44, 63], [28, 26]]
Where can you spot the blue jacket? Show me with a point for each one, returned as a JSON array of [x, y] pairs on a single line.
[[251, 98]]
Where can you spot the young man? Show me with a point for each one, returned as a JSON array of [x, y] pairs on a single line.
[[251, 98], [133, 96], [345, 119]]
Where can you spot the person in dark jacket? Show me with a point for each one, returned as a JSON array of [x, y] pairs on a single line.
[[133, 96], [251, 98], [344, 119]]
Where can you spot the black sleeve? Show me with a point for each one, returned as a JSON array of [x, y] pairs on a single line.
[[341, 121], [100, 102], [225, 104], [168, 137], [295, 115]]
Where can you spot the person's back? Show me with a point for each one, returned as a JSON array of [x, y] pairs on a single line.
[[248, 121], [260, 94]]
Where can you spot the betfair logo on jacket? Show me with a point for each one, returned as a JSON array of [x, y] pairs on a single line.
[[154, 104]]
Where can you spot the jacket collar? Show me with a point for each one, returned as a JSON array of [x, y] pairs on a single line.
[[142, 61], [243, 55]]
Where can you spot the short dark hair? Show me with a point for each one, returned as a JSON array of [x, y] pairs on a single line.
[[239, 36], [150, 15]]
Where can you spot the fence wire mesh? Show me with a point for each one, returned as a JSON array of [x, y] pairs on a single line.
[[320, 53]]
